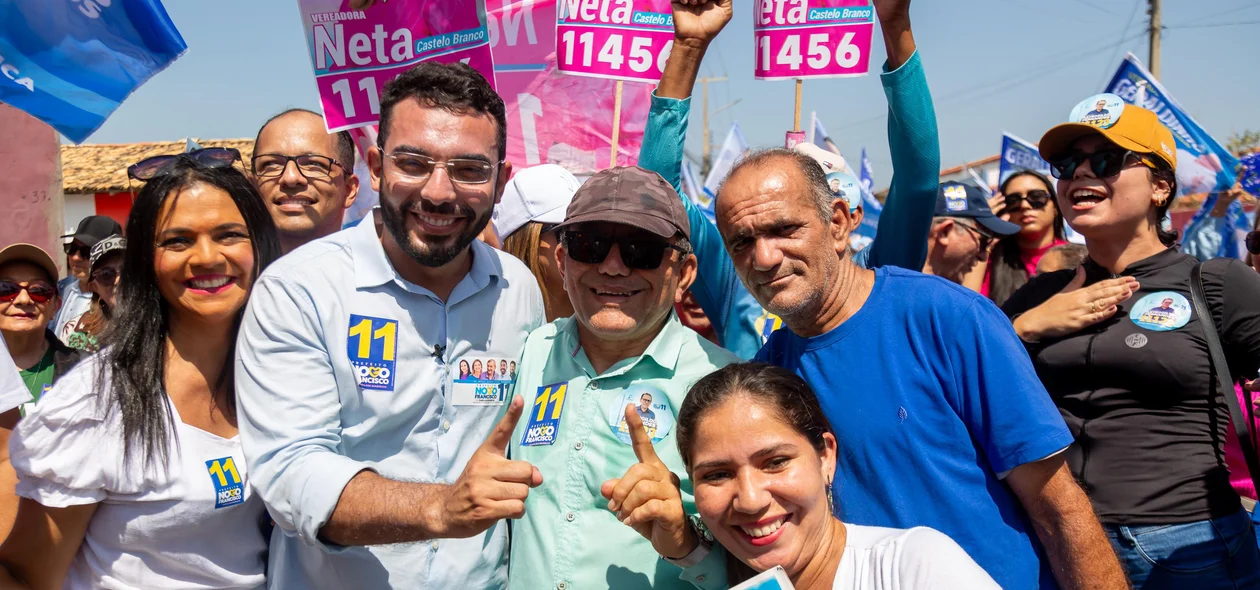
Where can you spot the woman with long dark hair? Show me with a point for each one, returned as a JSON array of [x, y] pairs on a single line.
[[1029, 202], [106, 260], [131, 470], [1123, 352], [761, 456]]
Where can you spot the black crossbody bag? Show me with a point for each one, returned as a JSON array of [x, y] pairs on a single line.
[[1240, 417]]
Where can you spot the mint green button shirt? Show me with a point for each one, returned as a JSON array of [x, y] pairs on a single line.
[[571, 427]]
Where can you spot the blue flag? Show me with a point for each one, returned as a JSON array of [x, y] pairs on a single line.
[[870, 206], [1202, 164], [1251, 174], [1017, 155], [71, 63]]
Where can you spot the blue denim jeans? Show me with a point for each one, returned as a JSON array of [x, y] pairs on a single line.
[[1221, 553]]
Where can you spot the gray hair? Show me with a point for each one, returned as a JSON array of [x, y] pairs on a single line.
[[811, 171]]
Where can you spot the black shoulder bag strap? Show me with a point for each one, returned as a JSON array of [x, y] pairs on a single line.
[[1220, 370]]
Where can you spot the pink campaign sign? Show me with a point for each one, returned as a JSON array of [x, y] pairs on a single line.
[[355, 52], [617, 39], [812, 38], [554, 118]]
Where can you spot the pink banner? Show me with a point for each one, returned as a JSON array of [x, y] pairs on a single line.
[[812, 38], [553, 118], [355, 52], [618, 39]]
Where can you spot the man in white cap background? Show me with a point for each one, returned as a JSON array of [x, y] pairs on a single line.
[[76, 297]]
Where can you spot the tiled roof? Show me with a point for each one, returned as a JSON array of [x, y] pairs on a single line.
[[102, 168]]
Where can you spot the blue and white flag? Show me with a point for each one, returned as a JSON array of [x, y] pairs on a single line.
[[870, 205], [1017, 155], [695, 191], [1202, 164], [1250, 174], [732, 149], [71, 63]]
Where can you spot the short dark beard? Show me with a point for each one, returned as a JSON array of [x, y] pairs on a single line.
[[432, 257]]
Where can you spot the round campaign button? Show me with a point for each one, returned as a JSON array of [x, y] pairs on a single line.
[[1099, 110], [844, 186], [1161, 311], [654, 409]]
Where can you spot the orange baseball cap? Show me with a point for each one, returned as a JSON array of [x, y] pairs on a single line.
[[1128, 126]]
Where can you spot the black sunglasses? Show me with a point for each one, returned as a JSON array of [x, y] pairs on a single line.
[[1104, 163], [150, 168], [638, 252], [1253, 243], [983, 238], [106, 276], [72, 249], [1037, 199]]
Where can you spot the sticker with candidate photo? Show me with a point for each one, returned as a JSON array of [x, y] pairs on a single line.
[[955, 197], [653, 407], [1161, 312], [846, 187], [1100, 110]]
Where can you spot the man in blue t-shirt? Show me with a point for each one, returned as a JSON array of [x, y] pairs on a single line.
[[940, 418]]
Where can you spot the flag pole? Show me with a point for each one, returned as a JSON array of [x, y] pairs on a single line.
[[616, 130], [797, 114]]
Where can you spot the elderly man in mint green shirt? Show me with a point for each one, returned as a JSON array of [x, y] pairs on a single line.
[[625, 256]]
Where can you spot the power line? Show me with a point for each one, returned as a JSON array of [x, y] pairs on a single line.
[[1132, 15], [1213, 25], [1096, 7], [1249, 4]]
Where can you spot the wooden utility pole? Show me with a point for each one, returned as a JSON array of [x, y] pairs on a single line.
[[1156, 26], [707, 146]]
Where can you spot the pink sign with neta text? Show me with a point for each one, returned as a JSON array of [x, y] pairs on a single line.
[[617, 39], [355, 52], [555, 118], [812, 38]]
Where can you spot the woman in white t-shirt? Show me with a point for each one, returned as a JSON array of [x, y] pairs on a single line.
[[130, 470], [761, 456]]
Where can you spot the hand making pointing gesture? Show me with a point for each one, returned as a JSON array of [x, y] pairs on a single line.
[[647, 499], [491, 487]]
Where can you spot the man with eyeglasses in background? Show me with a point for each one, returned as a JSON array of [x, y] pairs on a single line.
[[76, 296], [381, 468], [305, 176], [963, 230], [625, 258]]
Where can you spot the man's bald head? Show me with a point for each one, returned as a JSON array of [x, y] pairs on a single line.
[[343, 142]]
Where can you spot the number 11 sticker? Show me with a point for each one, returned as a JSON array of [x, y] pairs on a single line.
[[812, 38]]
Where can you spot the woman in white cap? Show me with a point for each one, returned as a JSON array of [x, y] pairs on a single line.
[[1122, 346], [533, 203]]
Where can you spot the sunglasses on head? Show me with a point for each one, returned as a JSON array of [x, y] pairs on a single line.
[[1037, 199], [38, 292], [150, 168], [106, 276], [642, 252], [1104, 163], [1253, 243]]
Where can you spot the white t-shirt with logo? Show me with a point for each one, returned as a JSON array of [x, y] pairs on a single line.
[[192, 523], [878, 558]]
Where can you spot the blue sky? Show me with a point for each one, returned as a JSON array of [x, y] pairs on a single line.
[[992, 66]]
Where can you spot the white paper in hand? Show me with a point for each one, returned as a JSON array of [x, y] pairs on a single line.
[[772, 579]]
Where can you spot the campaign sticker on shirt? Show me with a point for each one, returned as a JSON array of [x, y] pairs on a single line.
[[1100, 110], [1161, 312], [767, 323], [483, 381], [228, 488], [544, 415], [372, 345], [955, 197], [653, 407]]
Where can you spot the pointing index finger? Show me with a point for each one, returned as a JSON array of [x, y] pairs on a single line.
[[639, 437]]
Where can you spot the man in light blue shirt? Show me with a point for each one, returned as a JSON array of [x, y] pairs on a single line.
[[370, 452]]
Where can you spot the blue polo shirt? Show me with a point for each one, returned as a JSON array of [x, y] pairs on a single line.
[[931, 396]]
